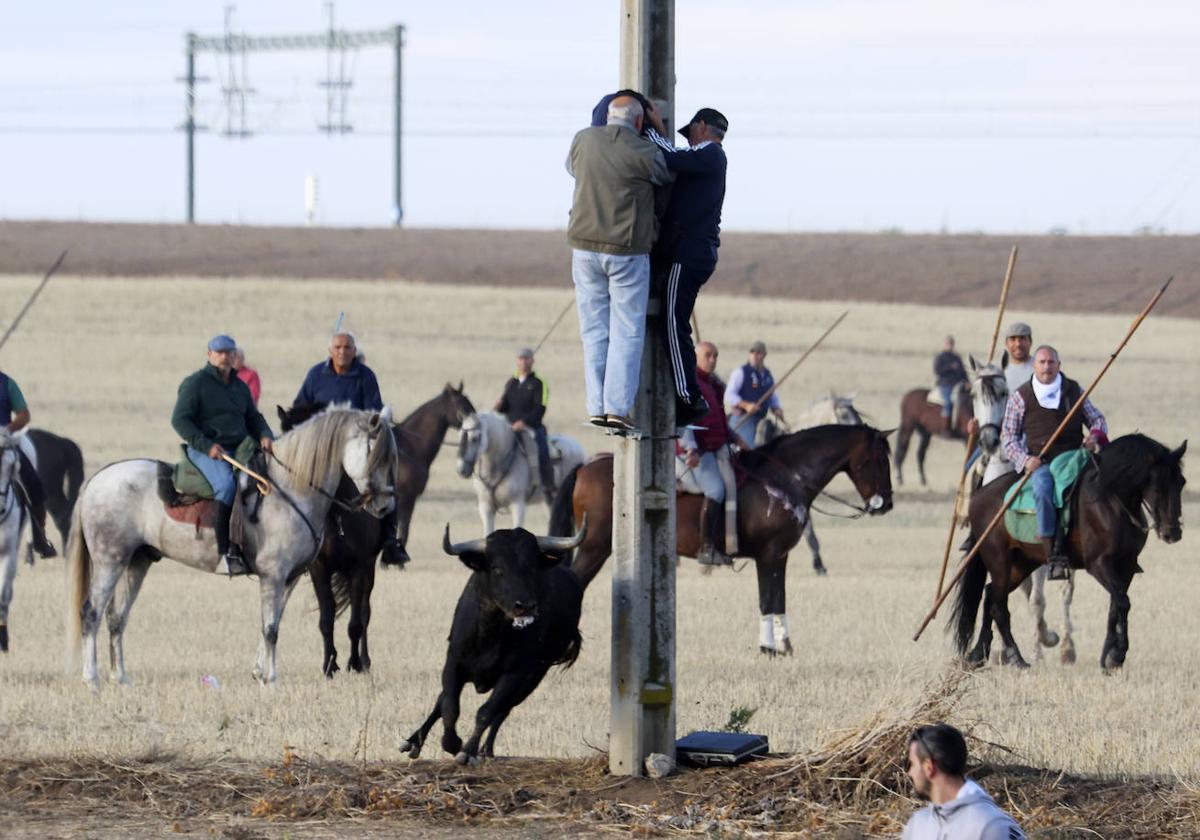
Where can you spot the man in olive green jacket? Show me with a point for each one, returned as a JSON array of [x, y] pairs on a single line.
[[214, 413], [611, 232]]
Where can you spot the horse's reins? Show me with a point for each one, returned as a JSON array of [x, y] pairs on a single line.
[[360, 501]]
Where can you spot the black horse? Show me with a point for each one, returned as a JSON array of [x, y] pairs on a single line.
[[1107, 535], [343, 574], [60, 468], [783, 478]]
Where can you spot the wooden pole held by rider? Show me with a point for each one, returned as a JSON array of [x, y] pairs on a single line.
[[1012, 494], [561, 315], [962, 477], [762, 400], [29, 303]]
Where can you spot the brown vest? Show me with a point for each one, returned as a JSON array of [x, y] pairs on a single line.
[[1040, 422]]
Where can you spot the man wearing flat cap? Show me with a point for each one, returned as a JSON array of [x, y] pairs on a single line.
[[214, 413], [685, 253], [747, 385], [524, 403], [1017, 361]]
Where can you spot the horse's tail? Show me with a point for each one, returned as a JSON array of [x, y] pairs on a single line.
[[562, 512], [966, 604], [339, 583], [73, 473], [79, 580]]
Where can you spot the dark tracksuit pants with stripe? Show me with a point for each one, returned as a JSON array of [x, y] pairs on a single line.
[[679, 285]]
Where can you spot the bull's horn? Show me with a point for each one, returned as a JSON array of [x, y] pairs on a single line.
[[564, 543], [456, 549]]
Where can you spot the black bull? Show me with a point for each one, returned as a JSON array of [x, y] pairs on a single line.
[[518, 616]]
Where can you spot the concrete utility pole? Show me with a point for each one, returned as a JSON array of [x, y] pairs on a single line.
[[643, 595], [332, 41]]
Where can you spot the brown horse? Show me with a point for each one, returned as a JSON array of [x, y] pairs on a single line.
[[918, 414], [1107, 534], [783, 478], [343, 574]]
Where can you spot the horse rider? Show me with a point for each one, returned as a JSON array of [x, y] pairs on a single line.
[[345, 378], [703, 455], [524, 403], [1033, 412], [214, 413], [747, 385], [14, 414], [950, 372], [1018, 368]]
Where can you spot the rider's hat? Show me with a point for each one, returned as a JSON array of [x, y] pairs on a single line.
[[1018, 329], [220, 343], [758, 347]]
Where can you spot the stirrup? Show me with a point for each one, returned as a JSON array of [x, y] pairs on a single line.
[[1060, 569], [232, 564]]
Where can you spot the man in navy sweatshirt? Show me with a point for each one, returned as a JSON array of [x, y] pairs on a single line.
[[685, 253]]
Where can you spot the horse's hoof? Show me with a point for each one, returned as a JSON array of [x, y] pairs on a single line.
[[787, 648], [3, 638], [1112, 662], [1068, 655], [1049, 638], [462, 758], [820, 570], [1013, 658], [769, 651]]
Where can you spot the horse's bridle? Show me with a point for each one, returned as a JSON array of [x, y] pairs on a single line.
[[860, 510]]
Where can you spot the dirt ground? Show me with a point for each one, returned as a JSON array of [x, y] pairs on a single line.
[[1055, 273]]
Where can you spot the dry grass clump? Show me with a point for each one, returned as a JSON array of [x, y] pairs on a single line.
[[853, 787]]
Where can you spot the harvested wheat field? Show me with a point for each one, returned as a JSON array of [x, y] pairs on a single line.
[[99, 361]]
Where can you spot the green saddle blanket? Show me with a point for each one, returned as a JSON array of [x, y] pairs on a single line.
[[188, 479], [1021, 518]]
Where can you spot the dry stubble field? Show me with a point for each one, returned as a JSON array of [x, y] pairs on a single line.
[[99, 361]]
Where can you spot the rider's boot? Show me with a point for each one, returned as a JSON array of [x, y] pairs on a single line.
[[546, 473], [231, 561], [394, 553], [710, 520], [945, 430], [37, 521], [1060, 568]]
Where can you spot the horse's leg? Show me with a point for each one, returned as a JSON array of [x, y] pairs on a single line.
[[902, 450], [814, 546], [6, 592], [518, 512], [983, 645], [105, 574], [1116, 583], [1011, 654], [1035, 590], [487, 514], [1068, 651], [124, 595], [322, 580], [360, 615], [417, 740], [274, 594], [923, 438], [773, 631]]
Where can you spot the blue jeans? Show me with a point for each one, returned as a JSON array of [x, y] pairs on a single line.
[[947, 399], [610, 296], [748, 428], [218, 473], [1042, 482]]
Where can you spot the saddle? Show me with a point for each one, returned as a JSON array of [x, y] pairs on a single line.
[[935, 398], [1021, 518], [201, 512]]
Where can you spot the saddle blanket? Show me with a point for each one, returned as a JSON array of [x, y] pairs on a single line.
[[1021, 518]]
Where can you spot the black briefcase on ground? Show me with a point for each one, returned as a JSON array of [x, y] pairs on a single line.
[[706, 749]]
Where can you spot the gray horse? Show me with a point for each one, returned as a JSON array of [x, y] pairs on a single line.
[[119, 528], [11, 520]]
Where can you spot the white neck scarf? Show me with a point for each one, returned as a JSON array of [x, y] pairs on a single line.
[[1048, 396]]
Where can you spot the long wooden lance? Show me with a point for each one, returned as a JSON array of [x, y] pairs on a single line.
[[962, 476], [29, 303], [561, 315], [1012, 494], [763, 399]]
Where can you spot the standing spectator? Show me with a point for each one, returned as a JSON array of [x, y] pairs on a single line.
[[611, 231], [685, 254], [247, 374], [747, 385], [949, 370], [958, 807]]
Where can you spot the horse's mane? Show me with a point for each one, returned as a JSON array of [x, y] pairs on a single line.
[[812, 436], [313, 450], [1126, 463]]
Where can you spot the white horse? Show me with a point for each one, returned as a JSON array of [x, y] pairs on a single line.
[[11, 520], [828, 411], [503, 465], [119, 528], [989, 396]]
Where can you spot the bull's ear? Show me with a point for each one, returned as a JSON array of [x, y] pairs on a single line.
[[476, 561], [974, 364]]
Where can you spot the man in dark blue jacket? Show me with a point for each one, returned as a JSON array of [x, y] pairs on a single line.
[[685, 254], [344, 378]]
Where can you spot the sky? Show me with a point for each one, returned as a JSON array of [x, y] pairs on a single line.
[[845, 115]]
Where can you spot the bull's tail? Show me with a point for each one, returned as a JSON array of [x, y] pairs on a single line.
[[562, 512], [79, 580], [966, 604]]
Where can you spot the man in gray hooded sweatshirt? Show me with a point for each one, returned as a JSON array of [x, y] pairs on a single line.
[[958, 808]]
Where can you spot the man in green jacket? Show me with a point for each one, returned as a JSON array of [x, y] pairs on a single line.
[[214, 413], [611, 231]]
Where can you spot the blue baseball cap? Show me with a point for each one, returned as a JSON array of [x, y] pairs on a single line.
[[219, 343]]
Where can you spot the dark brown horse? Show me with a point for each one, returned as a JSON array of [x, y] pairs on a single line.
[[919, 415], [343, 574], [1106, 537], [60, 468], [783, 478]]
